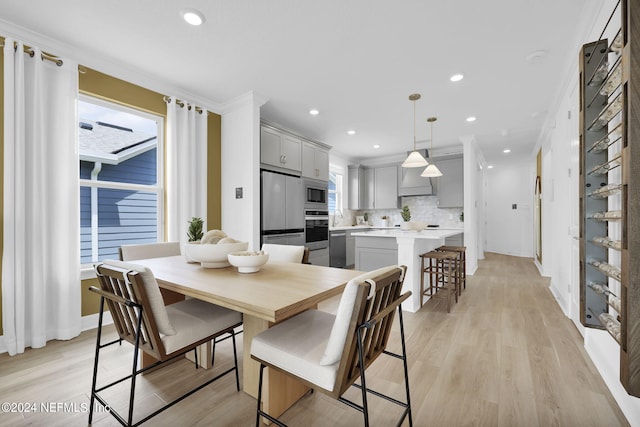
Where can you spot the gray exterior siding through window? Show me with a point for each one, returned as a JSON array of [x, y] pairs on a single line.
[[123, 216]]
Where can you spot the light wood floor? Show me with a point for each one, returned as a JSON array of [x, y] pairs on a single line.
[[505, 356]]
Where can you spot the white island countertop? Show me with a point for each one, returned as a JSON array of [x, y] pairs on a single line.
[[436, 233]]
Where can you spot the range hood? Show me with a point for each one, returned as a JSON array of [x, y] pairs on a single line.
[[410, 183]]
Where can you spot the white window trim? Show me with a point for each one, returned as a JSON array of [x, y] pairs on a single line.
[[87, 270], [339, 188]]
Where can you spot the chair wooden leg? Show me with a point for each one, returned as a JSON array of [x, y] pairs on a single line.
[[421, 281]]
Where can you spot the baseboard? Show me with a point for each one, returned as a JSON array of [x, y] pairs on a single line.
[[559, 299], [604, 352], [3, 347]]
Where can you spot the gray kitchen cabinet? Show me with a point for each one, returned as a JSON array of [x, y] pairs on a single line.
[[386, 187], [280, 150], [354, 178], [451, 183], [315, 161], [375, 252], [373, 187], [368, 189]]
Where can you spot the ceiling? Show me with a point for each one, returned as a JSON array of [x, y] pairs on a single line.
[[355, 61]]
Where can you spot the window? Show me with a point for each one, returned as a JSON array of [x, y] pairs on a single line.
[[335, 192], [121, 194]]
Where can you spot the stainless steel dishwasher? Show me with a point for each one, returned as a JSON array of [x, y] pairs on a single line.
[[338, 249]]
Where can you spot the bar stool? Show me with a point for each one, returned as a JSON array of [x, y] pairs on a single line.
[[461, 261], [442, 268]]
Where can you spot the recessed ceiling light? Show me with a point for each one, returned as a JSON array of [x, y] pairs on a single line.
[[376, 146], [471, 119], [314, 112], [490, 167], [351, 132], [192, 16], [456, 77], [506, 151]]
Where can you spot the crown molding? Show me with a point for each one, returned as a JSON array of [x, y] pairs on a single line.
[[108, 65]]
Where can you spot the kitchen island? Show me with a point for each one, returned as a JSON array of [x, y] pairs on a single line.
[[379, 248]]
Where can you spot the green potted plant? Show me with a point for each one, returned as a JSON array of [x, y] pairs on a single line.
[[194, 234], [405, 213]]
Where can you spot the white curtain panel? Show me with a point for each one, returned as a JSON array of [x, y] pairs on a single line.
[[41, 219], [186, 167]]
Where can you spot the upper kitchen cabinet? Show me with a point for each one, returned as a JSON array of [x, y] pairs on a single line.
[[354, 177], [373, 188], [451, 184], [386, 188], [315, 161], [280, 150]]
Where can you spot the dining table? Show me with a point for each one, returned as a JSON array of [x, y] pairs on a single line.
[[275, 293]]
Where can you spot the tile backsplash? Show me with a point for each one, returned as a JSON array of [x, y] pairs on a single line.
[[423, 208]]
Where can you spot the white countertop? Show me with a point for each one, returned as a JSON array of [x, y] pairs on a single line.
[[369, 227], [352, 227], [433, 233]]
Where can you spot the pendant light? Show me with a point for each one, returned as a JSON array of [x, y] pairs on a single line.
[[415, 159], [432, 170]]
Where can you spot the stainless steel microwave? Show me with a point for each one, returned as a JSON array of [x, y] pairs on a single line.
[[315, 193]]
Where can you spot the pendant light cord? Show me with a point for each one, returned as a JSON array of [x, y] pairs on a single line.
[[414, 125]]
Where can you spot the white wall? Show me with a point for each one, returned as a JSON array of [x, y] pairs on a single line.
[[474, 166], [510, 231], [560, 210], [240, 168]]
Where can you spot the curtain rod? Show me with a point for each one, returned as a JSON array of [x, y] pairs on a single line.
[[29, 51], [167, 99]]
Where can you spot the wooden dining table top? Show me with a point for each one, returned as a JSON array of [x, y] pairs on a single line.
[[277, 291]]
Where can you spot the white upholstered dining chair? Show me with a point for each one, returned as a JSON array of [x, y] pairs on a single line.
[[285, 253], [149, 250], [165, 333], [330, 353]]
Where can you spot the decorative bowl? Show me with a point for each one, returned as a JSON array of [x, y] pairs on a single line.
[[213, 255], [248, 261]]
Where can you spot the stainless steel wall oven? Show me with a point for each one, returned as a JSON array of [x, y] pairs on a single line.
[[316, 228]]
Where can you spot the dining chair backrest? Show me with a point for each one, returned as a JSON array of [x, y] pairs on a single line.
[[149, 250], [120, 282], [284, 253], [376, 298]]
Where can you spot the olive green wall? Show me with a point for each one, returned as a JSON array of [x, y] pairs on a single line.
[[115, 90]]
